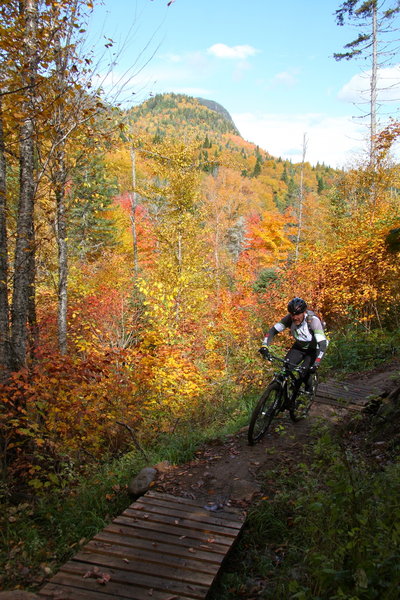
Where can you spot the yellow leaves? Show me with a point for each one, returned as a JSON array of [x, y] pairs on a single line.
[[360, 277]]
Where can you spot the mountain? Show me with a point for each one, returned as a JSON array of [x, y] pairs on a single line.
[[165, 113], [212, 105], [210, 124]]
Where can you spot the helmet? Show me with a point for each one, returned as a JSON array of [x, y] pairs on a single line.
[[297, 306]]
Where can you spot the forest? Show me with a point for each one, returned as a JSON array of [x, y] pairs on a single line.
[[144, 253]]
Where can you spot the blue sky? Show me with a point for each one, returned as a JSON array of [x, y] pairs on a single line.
[[269, 63]]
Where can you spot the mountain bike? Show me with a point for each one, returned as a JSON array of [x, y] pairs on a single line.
[[286, 391]]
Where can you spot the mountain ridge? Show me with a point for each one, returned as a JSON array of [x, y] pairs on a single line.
[[215, 106]]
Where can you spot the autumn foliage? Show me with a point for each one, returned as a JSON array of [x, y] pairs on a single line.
[[164, 329]]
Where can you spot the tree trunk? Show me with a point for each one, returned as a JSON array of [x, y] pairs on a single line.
[[61, 234], [59, 178], [373, 83], [4, 308], [301, 199], [133, 199], [24, 262]]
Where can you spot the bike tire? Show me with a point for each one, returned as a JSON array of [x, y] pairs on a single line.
[[304, 401], [265, 410]]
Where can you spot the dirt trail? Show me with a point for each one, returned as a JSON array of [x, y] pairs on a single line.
[[229, 472]]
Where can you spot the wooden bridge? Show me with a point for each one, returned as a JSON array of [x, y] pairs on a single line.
[[160, 548], [350, 396]]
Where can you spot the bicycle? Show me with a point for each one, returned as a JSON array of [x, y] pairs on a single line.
[[286, 391]]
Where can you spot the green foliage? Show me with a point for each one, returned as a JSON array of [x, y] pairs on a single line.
[[332, 531], [354, 350], [266, 278], [93, 189]]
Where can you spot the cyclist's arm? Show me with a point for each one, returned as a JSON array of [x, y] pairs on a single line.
[[277, 328], [320, 338]]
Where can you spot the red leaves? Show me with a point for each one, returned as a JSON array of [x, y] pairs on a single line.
[[96, 574]]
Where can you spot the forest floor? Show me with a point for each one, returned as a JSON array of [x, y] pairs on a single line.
[[229, 472]]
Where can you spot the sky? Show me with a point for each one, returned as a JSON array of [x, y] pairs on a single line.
[[270, 64]]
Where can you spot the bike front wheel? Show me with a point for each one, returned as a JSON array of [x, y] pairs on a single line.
[[266, 408], [304, 401]]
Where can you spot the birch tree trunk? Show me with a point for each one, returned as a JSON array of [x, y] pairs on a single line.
[[133, 199], [62, 245], [23, 300], [59, 177], [301, 199], [373, 84]]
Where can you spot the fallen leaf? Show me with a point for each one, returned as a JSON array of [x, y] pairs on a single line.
[[105, 578]]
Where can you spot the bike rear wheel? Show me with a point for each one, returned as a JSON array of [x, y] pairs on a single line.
[[266, 408], [304, 401]]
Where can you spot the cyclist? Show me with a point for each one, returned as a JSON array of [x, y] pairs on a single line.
[[310, 339]]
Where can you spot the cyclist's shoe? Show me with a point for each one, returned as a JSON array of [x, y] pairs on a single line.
[[308, 387]]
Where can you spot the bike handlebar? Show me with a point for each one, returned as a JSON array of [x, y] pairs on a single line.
[[285, 362]]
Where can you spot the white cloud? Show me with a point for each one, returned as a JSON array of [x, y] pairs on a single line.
[[335, 141], [285, 78], [232, 52], [358, 88]]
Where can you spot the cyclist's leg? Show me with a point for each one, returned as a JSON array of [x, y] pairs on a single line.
[[295, 356], [309, 359]]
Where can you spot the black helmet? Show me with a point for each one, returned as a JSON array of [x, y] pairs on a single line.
[[297, 306]]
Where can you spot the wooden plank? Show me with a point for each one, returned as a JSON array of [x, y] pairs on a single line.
[[111, 562], [135, 579], [219, 517], [152, 524], [345, 393], [144, 533], [339, 405], [70, 592], [59, 592], [204, 552], [228, 512], [197, 520], [160, 547], [154, 556], [76, 587]]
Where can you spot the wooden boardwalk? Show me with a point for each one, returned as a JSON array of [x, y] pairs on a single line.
[[160, 548], [346, 395]]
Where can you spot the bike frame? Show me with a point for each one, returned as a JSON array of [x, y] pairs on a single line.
[[289, 372]]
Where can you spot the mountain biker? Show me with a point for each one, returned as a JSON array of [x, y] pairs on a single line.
[[310, 339]]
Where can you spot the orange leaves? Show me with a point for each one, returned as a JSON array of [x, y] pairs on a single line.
[[361, 278], [70, 406]]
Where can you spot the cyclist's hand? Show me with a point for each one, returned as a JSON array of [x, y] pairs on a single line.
[[313, 368], [264, 351]]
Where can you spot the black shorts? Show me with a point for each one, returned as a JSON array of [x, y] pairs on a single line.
[[305, 356]]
